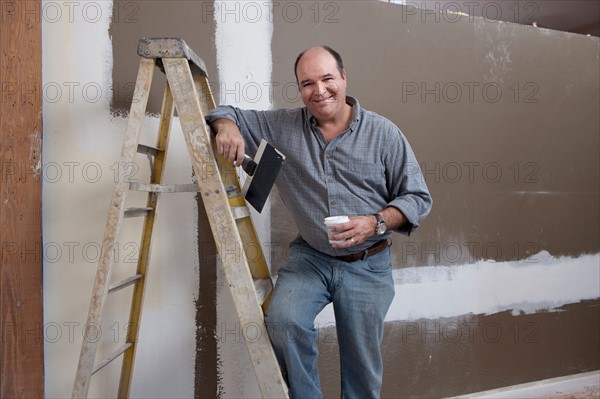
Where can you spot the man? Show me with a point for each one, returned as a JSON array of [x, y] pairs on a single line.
[[340, 160]]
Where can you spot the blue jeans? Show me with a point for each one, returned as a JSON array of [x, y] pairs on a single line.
[[361, 293]]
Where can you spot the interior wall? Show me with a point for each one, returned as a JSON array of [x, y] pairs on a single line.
[[84, 133], [191, 21], [237, 54], [504, 121], [181, 338], [244, 66], [511, 165], [21, 350], [487, 107]]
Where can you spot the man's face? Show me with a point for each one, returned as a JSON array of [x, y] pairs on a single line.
[[322, 87]]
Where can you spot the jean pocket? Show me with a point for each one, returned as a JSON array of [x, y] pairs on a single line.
[[379, 263]]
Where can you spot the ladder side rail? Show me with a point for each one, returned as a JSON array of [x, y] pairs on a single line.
[[115, 218], [135, 314], [254, 253], [224, 228]]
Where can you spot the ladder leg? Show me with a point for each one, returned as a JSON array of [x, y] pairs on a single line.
[[144, 255], [115, 217], [224, 227], [238, 247], [254, 254]]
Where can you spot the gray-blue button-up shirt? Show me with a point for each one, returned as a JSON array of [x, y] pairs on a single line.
[[368, 167]]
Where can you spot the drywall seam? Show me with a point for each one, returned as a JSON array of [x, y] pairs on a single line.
[[243, 47]]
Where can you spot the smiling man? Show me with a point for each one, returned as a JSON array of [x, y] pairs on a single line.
[[340, 160]]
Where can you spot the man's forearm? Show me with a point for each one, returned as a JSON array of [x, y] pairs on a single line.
[[219, 123], [393, 217]]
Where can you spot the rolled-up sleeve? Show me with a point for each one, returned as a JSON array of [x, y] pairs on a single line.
[[406, 184], [254, 125]]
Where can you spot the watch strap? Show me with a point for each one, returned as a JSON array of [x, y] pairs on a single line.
[[380, 221], [379, 218]]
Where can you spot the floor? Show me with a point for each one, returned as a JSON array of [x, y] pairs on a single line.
[[579, 386]]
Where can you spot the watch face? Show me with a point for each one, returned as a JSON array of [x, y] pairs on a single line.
[[381, 228]]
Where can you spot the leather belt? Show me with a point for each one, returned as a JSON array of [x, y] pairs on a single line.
[[363, 255]]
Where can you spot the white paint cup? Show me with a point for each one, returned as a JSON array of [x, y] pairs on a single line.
[[334, 221]]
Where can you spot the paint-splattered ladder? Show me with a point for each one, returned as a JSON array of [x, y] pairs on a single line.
[[248, 277]]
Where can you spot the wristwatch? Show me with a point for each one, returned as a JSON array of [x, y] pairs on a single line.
[[381, 227]]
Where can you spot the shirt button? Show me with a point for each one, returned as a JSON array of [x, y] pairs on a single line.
[[333, 202]]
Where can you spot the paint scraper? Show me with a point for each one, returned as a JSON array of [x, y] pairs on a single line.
[[262, 172]]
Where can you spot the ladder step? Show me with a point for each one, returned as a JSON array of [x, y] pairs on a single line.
[[232, 191], [188, 92], [240, 212], [112, 357], [263, 288], [116, 286], [148, 150], [135, 212], [171, 47], [166, 188]]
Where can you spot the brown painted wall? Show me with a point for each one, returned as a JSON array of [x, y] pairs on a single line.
[[132, 20], [512, 165], [21, 356], [453, 356], [504, 120]]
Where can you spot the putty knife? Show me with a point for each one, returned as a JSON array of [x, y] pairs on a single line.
[[262, 173]]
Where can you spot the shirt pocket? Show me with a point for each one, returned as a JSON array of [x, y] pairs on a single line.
[[361, 174]]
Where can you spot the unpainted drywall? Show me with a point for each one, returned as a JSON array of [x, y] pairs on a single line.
[[504, 121], [503, 118], [83, 138]]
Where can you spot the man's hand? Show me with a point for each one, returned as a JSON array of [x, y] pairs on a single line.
[[360, 228], [356, 231], [230, 143]]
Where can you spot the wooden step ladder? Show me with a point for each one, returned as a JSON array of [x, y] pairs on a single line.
[[248, 277]]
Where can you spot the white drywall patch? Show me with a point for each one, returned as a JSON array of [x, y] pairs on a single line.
[[540, 282], [243, 40], [82, 142]]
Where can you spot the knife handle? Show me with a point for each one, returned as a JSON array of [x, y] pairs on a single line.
[[249, 165]]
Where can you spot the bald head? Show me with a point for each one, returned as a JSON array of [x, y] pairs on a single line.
[[332, 52]]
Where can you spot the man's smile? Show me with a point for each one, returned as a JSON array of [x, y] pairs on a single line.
[[324, 100]]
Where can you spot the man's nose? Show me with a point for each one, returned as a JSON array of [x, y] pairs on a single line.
[[321, 87]]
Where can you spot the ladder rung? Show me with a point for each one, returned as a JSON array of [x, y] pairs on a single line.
[[229, 216], [166, 188], [263, 288], [240, 212], [134, 212], [148, 150], [116, 286], [112, 357]]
